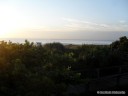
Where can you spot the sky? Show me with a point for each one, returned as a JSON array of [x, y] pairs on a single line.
[[64, 19]]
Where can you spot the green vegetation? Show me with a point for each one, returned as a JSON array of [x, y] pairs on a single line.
[[30, 70]]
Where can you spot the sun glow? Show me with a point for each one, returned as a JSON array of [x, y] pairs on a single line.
[[9, 21]]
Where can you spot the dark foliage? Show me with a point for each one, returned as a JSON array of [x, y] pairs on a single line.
[[30, 70]]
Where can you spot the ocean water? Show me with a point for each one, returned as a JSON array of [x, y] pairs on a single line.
[[63, 41]]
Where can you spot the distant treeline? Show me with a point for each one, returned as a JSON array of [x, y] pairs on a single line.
[[47, 70]]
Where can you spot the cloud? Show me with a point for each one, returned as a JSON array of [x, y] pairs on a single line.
[[122, 21], [81, 25]]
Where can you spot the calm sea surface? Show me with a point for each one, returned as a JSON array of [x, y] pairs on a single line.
[[63, 41]]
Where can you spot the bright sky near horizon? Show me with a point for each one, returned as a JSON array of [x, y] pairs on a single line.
[[63, 19]]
